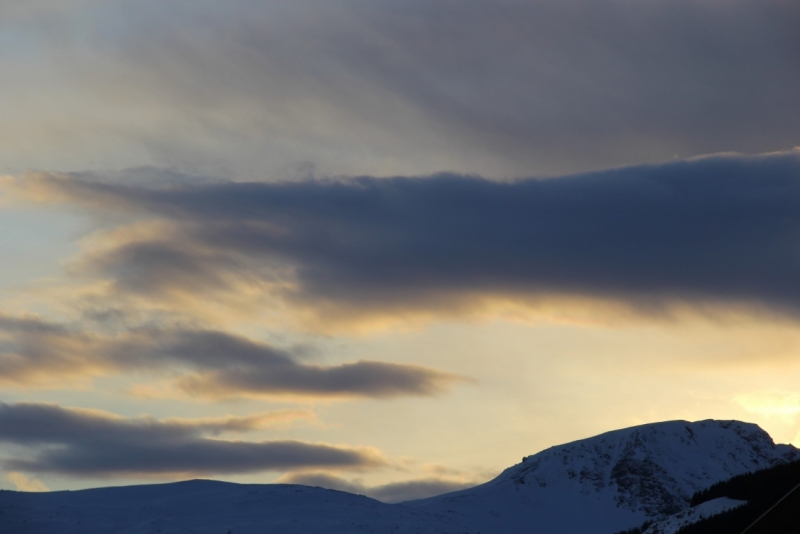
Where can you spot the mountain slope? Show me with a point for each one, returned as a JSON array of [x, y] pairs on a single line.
[[208, 507], [674, 523], [760, 490], [613, 481]]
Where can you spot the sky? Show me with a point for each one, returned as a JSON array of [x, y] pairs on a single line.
[[389, 247]]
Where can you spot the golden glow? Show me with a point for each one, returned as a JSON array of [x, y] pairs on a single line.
[[772, 402], [23, 482]]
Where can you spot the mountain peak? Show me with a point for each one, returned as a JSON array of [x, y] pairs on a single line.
[[619, 478]]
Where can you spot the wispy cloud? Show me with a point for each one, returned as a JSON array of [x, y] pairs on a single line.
[[93, 443], [771, 403], [25, 483], [393, 492], [210, 364], [545, 86]]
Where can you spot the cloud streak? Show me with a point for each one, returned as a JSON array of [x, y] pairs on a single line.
[[393, 492], [93, 443], [211, 364], [709, 230]]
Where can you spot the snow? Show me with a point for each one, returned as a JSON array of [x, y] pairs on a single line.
[[614, 481], [675, 522], [602, 485], [209, 507]]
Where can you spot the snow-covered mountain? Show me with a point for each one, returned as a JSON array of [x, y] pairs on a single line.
[[598, 485], [613, 481], [209, 507]]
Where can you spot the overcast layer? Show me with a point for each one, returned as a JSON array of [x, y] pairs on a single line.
[[411, 87]]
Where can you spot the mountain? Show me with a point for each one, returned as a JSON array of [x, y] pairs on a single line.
[[675, 523], [613, 481], [599, 485], [209, 507]]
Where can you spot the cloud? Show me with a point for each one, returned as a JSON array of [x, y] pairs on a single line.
[[25, 483], [393, 492], [13, 10], [211, 364], [712, 230], [416, 489], [32, 350], [93, 443], [544, 86], [258, 421], [323, 480], [771, 402]]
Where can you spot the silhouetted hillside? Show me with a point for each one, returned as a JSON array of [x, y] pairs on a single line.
[[761, 490]]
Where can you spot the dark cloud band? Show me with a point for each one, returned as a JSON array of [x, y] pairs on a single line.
[[721, 228], [92, 443]]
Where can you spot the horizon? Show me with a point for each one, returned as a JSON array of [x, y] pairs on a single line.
[[388, 493], [388, 246]]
